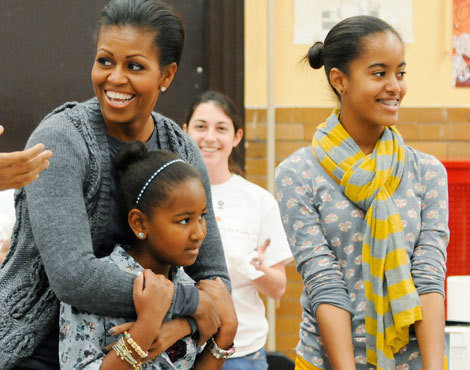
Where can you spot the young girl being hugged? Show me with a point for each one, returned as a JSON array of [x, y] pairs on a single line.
[[366, 216], [248, 218], [164, 202]]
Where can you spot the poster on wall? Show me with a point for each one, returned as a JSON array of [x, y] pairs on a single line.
[[461, 44], [314, 18]]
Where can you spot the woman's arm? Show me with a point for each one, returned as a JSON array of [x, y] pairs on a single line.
[[62, 231], [273, 252], [273, 282], [430, 331], [229, 323], [211, 260]]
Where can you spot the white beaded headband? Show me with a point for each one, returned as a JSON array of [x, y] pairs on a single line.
[[155, 174]]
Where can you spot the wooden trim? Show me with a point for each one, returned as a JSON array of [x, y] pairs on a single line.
[[225, 55]]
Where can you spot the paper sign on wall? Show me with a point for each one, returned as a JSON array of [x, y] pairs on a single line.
[[314, 18]]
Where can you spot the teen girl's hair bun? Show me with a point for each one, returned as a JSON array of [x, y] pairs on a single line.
[[315, 55], [130, 154]]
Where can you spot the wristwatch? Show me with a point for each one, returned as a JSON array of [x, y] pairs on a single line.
[[218, 352]]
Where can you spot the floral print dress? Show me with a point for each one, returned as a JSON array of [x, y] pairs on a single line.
[[84, 336], [325, 232]]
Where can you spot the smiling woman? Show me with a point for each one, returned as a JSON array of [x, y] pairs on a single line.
[[368, 234], [127, 80], [71, 215], [248, 219]]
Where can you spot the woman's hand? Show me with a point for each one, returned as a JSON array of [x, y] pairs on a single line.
[[224, 337], [273, 282], [258, 261], [170, 332], [152, 298], [18, 169], [219, 293], [207, 317]]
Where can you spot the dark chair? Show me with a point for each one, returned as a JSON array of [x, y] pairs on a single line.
[[277, 361]]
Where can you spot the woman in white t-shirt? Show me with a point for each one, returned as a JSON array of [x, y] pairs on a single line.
[[250, 225]]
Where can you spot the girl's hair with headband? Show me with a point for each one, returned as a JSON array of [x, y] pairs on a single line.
[[136, 166]]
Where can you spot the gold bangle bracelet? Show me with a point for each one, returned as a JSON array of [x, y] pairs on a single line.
[[135, 346], [125, 355]]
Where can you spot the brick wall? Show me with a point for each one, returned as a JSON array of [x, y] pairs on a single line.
[[443, 132]]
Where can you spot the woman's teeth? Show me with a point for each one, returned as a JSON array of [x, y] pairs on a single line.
[[118, 96]]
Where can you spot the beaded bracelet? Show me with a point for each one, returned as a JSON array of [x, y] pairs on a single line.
[[135, 346], [125, 355]]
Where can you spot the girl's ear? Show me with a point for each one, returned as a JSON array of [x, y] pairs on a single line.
[[137, 222], [237, 137], [339, 80], [185, 127]]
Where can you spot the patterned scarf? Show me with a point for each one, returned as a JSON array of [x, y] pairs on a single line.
[[370, 181]]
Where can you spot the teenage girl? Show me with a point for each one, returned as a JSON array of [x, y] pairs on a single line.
[[248, 218], [164, 202], [366, 216]]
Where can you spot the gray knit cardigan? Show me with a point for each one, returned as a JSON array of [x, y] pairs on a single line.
[[62, 216]]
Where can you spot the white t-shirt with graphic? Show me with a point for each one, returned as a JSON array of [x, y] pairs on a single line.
[[247, 215]]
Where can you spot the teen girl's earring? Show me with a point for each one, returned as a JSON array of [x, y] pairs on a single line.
[[141, 235], [162, 88]]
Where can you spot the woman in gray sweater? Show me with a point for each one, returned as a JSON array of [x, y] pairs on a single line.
[[70, 215]]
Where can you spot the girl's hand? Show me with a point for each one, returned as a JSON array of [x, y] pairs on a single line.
[[219, 293], [258, 261], [152, 298]]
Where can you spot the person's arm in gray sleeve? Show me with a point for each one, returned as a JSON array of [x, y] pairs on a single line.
[[61, 228], [211, 260], [428, 262], [316, 262]]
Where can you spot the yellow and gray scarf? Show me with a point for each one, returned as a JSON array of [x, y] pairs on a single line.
[[370, 182]]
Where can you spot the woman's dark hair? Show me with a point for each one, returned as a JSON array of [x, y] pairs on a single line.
[[345, 43], [151, 15], [136, 165], [230, 109]]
